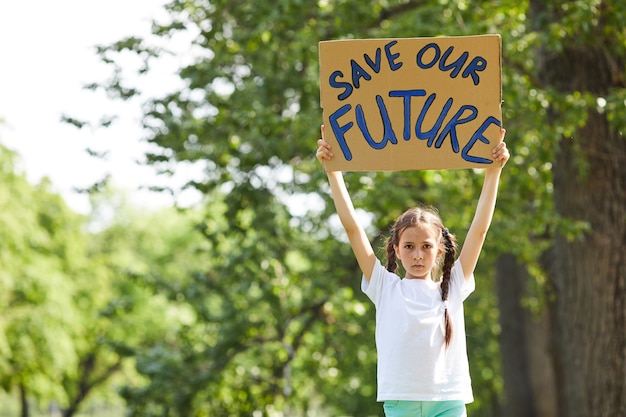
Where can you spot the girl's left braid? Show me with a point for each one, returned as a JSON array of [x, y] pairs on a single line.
[[448, 261]]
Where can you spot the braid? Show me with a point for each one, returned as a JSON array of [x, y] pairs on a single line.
[[449, 243], [392, 263]]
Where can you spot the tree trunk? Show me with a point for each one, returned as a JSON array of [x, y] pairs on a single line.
[[25, 411], [542, 378], [519, 401], [587, 273], [527, 371]]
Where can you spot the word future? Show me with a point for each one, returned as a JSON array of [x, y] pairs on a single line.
[[427, 57]]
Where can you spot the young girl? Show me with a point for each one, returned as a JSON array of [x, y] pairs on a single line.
[[420, 330]]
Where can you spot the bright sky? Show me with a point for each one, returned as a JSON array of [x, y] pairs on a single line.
[[47, 55]]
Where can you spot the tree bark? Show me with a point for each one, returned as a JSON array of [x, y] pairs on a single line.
[[519, 401], [542, 378], [587, 273], [527, 370]]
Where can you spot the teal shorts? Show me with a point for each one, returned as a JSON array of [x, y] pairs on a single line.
[[424, 409]]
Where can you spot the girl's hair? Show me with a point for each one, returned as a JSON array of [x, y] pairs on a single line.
[[426, 215]]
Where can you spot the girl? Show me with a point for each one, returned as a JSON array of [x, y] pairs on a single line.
[[420, 330]]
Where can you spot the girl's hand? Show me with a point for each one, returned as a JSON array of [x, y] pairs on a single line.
[[500, 153], [323, 149]]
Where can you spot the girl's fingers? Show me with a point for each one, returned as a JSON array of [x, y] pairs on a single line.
[[322, 143], [324, 153], [500, 153], [323, 148], [501, 157]]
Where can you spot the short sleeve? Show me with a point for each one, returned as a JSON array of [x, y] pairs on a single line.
[[374, 288]]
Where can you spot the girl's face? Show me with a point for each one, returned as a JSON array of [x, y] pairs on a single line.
[[418, 250]]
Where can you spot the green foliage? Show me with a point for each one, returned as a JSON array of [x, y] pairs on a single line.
[[274, 319], [267, 327], [40, 248], [77, 306]]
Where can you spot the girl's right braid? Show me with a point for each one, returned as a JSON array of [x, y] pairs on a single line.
[[448, 261], [392, 263]]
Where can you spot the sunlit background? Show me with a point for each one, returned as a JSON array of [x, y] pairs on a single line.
[[47, 55]]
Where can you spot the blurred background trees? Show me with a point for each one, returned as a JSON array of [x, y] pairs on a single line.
[[249, 304]]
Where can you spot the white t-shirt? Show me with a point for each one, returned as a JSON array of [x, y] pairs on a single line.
[[413, 362]]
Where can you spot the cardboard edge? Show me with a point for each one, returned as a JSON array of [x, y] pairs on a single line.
[[497, 37]]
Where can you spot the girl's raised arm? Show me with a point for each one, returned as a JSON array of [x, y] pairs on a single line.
[[361, 245], [484, 211]]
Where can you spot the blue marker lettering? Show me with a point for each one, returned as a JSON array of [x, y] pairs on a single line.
[[479, 136], [421, 53], [340, 131], [388, 134], [357, 73], [338, 84], [457, 65], [478, 64], [375, 65], [391, 58], [450, 128], [432, 133], [407, 94]]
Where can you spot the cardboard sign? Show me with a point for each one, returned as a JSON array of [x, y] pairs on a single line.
[[412, 103]]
